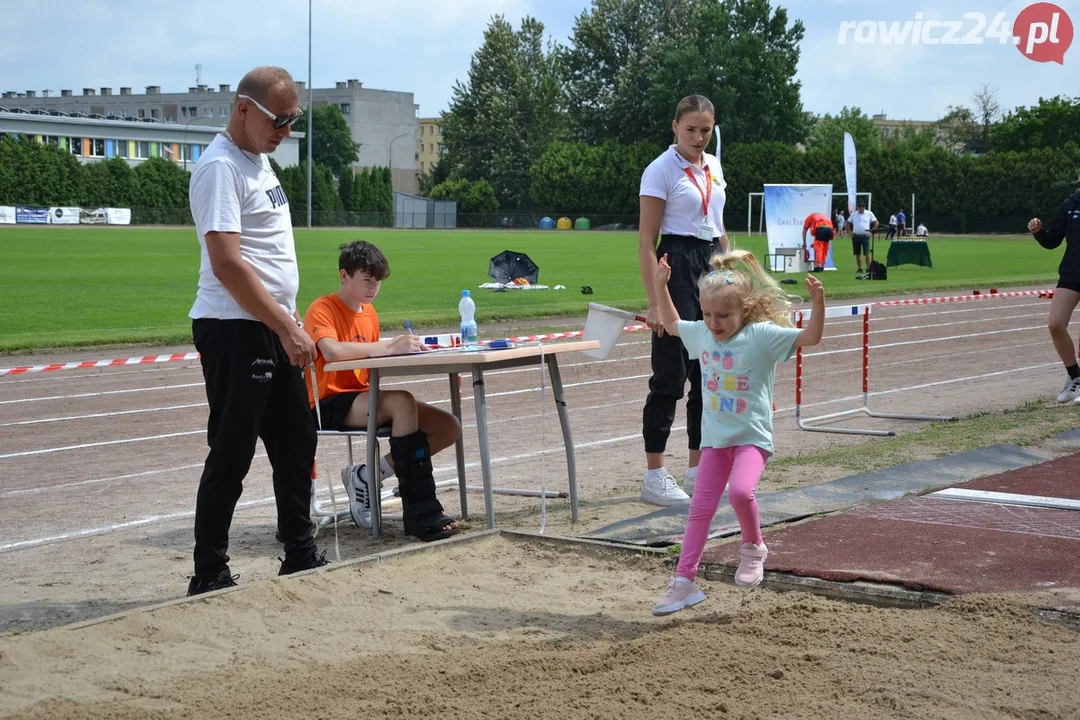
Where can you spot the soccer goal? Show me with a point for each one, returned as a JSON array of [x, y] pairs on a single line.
[[757, 200]]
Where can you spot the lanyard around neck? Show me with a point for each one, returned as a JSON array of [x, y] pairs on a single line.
[[706, 194]]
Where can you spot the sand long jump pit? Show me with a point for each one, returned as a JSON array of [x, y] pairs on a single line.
[[502, 625]]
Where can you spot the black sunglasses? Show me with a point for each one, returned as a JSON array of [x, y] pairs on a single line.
[[278, 121]]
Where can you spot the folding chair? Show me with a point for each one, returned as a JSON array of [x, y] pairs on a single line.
[[321, 516]]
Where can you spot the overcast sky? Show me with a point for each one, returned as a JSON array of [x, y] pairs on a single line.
[[423, 46]]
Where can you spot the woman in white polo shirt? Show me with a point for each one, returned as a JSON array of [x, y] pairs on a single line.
[[682, 202]]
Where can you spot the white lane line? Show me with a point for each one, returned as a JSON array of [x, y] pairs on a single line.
[[125, 391], [924, 341], [104, 443], [98, 481], [894, 363], [150, 438], [160, 471], [28, 453], [23, 544], [91, 416], [972, 321], [115, 527], [923, 386]]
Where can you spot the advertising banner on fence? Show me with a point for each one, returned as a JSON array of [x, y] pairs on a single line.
[[118, 216], [64, 215], [786, 207], [7, 215], [31, 215], [93, 216]]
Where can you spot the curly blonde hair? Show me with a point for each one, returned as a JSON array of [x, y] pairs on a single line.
[[756, 291]]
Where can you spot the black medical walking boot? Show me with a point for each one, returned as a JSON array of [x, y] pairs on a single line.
[[423, 513]]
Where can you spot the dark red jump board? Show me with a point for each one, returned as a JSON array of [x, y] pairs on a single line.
[[1058, 478], [923, 543]]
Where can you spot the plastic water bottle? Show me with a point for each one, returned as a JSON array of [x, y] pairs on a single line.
[[470, 335]]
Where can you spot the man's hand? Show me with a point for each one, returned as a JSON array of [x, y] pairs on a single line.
[[298, 345], [652, 319], [1035, 226]]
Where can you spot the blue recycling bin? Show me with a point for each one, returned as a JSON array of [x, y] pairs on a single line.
[[547, 224]]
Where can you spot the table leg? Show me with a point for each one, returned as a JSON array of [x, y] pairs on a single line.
[[459, 446], [568, 439], [373, 451], [482, 442]]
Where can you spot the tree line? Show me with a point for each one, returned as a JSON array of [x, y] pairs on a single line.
[[156, 190], [568, 129]]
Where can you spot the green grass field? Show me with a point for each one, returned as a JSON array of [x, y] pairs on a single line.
[[88, 286]]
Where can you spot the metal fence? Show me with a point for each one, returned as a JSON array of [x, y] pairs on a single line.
[[956, 223]]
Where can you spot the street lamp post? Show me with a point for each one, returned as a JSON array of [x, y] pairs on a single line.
[[390, 157], [185, 149], [309, 113]]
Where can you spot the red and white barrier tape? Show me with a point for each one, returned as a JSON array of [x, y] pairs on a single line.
[[177, 357], [964, 298], [147, 359]]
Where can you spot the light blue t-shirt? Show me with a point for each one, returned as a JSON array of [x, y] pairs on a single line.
[[737, 380]]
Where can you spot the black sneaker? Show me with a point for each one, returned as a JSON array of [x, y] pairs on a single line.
[[223, 580], [317, 560]]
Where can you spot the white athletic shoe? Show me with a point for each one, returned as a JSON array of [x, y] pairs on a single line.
[[681, 593], [689, 480], [659, 488], [358, 485], [751, 570], [1071, 391]]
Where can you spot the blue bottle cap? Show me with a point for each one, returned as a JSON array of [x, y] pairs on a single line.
[[465, 293]]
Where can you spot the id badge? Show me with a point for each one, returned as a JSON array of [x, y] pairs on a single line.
[[705, 231]]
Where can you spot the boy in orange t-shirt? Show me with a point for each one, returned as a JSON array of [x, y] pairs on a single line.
[[345, 326]]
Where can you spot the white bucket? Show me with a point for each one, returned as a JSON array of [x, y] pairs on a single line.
[[605, 324]]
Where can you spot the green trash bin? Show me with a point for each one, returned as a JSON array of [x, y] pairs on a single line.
[[582, 224]]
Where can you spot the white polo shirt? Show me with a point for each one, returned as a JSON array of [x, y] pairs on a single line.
[[237, 192], [860, 222], [666, 178]]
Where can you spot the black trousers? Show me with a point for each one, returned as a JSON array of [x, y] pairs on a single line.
[[689, 259], [253, 393]]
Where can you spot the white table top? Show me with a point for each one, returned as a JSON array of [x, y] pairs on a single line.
[[443, 361]]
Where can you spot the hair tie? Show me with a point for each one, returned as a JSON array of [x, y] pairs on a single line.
[[727, 275]]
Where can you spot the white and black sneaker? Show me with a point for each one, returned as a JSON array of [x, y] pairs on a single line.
[[358, 485], [1071, 391]]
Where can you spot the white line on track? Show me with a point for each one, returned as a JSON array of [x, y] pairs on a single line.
[[92, 416], [104, 443], [23, 544], [102, 393], [115, 527]]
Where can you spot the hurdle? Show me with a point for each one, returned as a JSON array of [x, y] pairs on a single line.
[[812, 424]]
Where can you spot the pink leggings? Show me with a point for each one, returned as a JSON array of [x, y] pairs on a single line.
[[743, 464]]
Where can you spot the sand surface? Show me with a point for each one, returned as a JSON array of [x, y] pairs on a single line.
[[501, 626]]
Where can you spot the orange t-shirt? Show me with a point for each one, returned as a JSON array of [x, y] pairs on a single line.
[[814, 221], [330, 317]]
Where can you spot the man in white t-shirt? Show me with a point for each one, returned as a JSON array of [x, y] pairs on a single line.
[[921, 231], [252, 346], [862, 223]]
